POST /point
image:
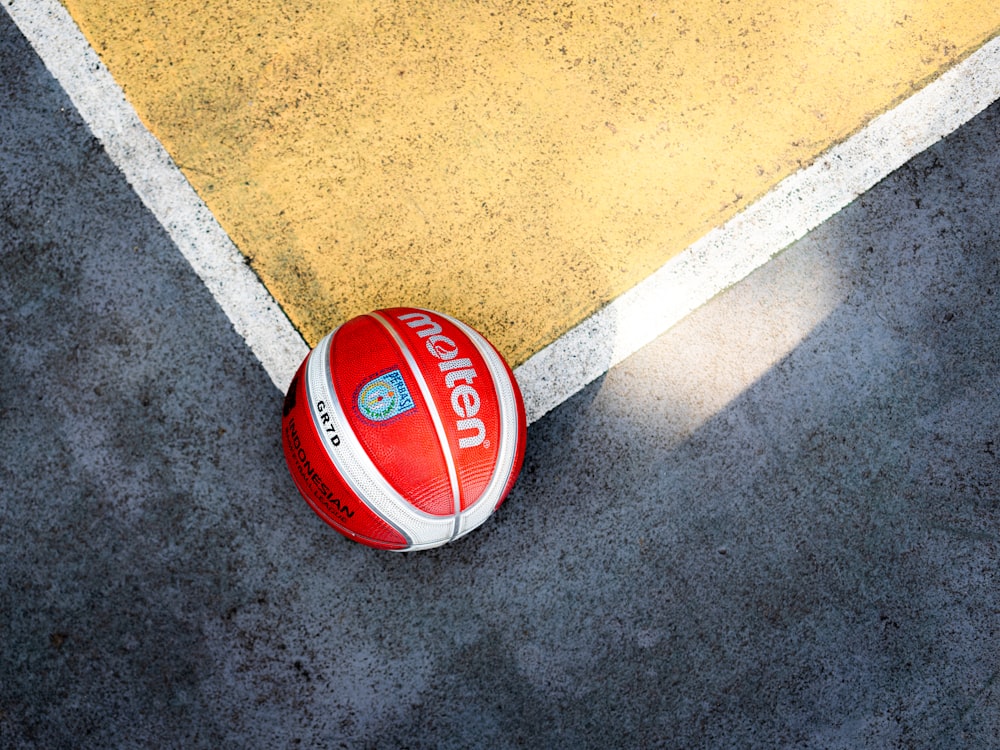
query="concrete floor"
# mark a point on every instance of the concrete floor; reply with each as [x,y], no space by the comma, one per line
[774,527]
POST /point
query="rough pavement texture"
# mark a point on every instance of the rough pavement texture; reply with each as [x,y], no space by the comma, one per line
[775,527]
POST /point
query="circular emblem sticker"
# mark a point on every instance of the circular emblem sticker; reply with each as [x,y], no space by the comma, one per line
[384,397]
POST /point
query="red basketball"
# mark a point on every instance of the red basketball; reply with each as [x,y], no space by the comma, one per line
[404,429]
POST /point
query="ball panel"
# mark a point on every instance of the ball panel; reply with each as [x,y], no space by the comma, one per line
[354,465]
[318,480]
[521,428]
[512,420]
[461,387]
[386,410]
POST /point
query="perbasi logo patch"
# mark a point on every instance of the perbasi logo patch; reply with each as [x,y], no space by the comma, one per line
[385,396]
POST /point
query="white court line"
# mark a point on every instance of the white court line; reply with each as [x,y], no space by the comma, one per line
[161,186]
[723,257]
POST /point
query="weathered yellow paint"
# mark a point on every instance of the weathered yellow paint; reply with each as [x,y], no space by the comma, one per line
[517,164]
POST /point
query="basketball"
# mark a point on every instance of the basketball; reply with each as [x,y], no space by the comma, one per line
[404,429]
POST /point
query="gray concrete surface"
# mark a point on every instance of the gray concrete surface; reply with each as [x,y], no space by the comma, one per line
[775,527]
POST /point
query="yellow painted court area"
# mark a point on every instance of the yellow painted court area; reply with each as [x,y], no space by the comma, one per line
[516,164]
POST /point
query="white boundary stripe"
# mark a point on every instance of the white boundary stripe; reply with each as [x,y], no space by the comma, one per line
[720,259]
[161,186]
[728,254]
